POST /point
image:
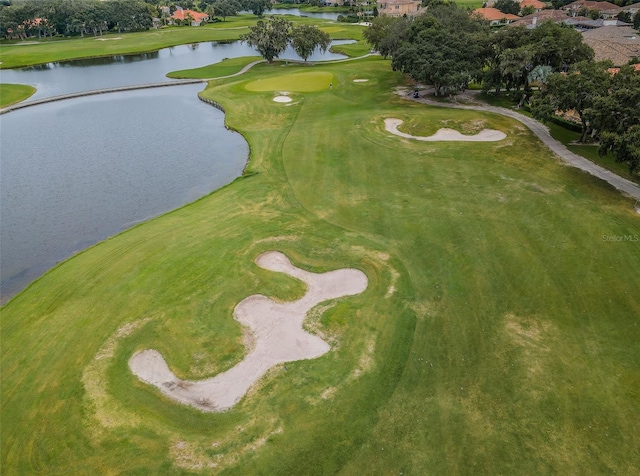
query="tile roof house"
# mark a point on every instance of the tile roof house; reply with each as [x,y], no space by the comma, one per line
[398,8]
[495,16]
[578,5]
[196,17]
[536,4]
[614,12]
[618,44]
[531,21]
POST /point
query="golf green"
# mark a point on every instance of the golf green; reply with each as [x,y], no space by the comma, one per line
[297,82]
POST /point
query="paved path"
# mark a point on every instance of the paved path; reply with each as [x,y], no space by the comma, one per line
[557,147]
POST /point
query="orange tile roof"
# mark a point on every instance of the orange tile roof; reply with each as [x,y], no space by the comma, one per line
[493,14]
[197,16]
[537,4]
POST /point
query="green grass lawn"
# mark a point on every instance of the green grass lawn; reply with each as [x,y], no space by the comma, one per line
[498,334]
[13,93]
[225,67]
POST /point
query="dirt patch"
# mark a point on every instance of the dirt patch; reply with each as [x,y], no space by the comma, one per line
[277,332]
[444,134]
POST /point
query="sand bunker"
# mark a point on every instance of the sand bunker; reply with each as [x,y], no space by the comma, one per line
[360,80]
[109,39]
[278,333]
[444,134]
[282,99]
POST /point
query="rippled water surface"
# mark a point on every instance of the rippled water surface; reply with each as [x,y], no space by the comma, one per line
[78,171]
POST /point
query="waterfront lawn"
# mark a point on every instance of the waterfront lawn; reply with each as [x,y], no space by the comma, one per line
[13,93]
[225,67]
[18,54]
[498,333]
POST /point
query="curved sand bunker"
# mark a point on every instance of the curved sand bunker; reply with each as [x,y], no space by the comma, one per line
[282,99]
[278,333]
[360,80]
[444,134]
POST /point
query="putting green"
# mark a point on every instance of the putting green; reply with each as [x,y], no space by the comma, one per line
[299,82]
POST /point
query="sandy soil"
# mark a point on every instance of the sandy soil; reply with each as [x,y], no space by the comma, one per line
[444,134]
[276,329]
[282,99]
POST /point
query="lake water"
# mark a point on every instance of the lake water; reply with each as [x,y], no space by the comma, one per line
[296,12]
[78,171]
[53,79]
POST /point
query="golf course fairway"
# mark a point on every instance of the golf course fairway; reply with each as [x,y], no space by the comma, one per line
[498,332]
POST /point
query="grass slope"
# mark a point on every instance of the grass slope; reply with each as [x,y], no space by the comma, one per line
[225,67]
[498,334]
[13,93]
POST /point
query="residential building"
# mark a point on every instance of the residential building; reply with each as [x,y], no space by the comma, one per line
[495,16]
[617,44]
[399,8]
[196,17]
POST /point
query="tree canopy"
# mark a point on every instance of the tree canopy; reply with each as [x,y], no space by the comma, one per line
[270,38]
[305,39]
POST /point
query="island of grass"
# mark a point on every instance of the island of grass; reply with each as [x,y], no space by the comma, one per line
[14,93]
[497,335]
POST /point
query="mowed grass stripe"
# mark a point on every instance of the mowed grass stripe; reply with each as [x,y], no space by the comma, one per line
[496,336]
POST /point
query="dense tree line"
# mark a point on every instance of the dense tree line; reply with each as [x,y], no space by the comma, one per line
[606,102]
[22,19]
[73,17]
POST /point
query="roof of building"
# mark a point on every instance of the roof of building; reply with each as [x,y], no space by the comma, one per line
[197,16]
[493,14]
[616,43]
[589,5]
[636,67]
[542,16]
[537,4]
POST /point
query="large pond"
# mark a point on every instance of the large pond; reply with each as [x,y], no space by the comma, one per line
[78,171]
[53,79]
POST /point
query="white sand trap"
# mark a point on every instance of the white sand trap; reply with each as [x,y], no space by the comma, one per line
[278,333]
[360,80]
[108,39]
[445,134]
[282,99]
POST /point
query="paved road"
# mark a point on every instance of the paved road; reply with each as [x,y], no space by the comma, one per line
[557,147]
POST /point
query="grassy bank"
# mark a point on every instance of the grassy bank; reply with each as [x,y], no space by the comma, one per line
[19,54]
[13,93]
[498,334]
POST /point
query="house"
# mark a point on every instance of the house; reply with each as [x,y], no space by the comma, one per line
[636,68]
[533,20]
[614,12]
[196,17]
[536,4]
[574,7]
[399,8]
[495,16]
[616,43]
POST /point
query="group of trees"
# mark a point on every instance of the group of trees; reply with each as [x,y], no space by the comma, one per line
[272,37]
[606,103]
[448,48]
[73,17]
[42,18]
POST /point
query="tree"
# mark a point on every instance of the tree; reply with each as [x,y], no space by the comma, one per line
[575,91]
[508,6]
[386,33]
[269,38]
[625,146]
[257,7]
[528,10]
[226,8]
[444,47]
[305,39]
